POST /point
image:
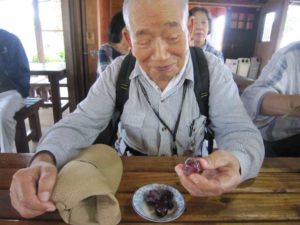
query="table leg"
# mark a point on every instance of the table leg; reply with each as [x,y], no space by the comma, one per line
[55,98]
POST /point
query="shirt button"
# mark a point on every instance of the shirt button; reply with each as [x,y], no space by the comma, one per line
[163,129]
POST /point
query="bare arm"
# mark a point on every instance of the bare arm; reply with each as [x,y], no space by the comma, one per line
[275,104]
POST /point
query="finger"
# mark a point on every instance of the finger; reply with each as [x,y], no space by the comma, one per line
[219,159]
[186,182]
[24,212]
[183,178]
[226,167]
[24,184]
[204,186]
[229,178]
[23,194]
[46,183]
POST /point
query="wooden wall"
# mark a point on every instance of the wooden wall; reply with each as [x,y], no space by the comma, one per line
[265,50]
[104,13]
[116,5]
[107,8]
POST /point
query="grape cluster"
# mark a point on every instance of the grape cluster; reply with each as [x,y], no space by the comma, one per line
[191,166]
[161,200]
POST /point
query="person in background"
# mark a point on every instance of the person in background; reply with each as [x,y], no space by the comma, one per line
[116,46]
[273,102]
[14,86]
[202,30]
[161,94]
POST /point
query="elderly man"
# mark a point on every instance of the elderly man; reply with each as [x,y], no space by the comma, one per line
[158,34]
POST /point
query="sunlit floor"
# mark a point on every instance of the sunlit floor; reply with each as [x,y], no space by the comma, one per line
[46,119]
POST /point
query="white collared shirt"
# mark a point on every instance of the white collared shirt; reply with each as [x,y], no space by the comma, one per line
[173,82]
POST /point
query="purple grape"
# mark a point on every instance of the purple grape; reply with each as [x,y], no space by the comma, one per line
[161,209]
[191,166]
[161,200]
[152,197]
[168,204]
[167,198]
[167,195]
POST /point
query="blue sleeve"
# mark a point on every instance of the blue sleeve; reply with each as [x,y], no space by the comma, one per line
[15,63]
[22,71]
[103,59]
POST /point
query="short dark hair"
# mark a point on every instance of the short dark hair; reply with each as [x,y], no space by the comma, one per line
[115,28]
[205,11]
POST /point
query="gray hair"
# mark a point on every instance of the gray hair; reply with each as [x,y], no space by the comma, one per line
[184,6]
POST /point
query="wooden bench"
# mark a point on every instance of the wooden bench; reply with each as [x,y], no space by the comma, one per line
[31,112]
[40,87]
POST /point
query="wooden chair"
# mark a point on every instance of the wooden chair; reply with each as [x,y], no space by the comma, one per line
[30,111]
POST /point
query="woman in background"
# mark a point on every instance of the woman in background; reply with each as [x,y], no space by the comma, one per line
[202,30]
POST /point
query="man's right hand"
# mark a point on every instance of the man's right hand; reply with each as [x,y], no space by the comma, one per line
[31,187]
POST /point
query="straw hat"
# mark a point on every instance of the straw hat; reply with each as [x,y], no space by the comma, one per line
[84,192]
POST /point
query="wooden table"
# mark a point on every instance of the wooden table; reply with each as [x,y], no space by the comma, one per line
[272,198]
[55,72]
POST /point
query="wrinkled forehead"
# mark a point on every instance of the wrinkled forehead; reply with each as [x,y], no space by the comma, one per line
[162,13]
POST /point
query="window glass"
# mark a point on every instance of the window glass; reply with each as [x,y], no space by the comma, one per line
[216,36]
[50,15]
[17,17]
[267,31]
[52,30]
[291,29]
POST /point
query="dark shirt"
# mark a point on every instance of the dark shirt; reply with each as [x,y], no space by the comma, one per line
[14,65]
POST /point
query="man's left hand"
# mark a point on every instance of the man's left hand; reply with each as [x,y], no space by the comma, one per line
[220,174]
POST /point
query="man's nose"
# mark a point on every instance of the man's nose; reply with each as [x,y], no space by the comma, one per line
[160,50]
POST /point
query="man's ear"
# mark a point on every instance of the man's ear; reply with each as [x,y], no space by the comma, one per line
[126,35]
[191,26]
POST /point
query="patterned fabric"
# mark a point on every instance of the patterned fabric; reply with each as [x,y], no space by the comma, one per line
[140,129]
[106,55]
[209,48]
[281,75]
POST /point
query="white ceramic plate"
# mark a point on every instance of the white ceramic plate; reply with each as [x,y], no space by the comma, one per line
[141,208]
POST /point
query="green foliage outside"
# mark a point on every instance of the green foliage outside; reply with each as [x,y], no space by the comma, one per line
[59,57]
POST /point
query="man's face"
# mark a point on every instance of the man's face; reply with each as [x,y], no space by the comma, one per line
[158,37]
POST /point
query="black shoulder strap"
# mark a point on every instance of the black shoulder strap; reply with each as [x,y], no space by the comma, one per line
[109,134]
[201,79]
[201,88]
[122,86]
[201,84]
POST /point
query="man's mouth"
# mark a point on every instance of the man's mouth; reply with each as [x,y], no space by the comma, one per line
[165,68]
[199,34]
